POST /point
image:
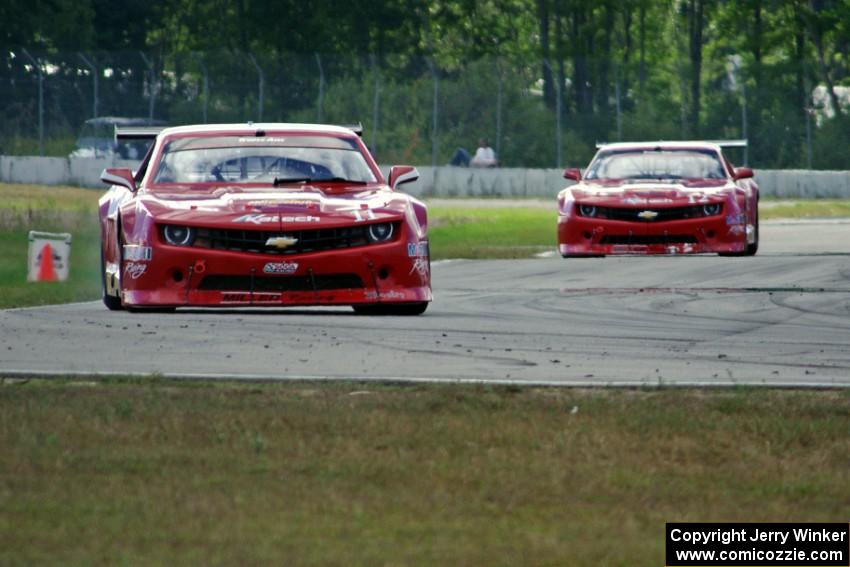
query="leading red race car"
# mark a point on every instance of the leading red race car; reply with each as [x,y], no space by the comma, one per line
[659,198]
[262,215]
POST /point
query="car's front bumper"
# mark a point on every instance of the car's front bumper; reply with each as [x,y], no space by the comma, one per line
[578,236]
[395,272]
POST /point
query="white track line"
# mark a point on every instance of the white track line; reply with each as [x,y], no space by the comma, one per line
[613,384]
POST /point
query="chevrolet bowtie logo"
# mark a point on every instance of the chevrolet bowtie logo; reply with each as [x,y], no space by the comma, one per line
[281,241]
[647,215]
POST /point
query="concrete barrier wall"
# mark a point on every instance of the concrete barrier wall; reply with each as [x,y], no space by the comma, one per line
[544,183]
[443,181]
[57,171]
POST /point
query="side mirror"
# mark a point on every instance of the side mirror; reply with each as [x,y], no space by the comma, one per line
[742,173]
[119,176]
[572,173]
[401,174]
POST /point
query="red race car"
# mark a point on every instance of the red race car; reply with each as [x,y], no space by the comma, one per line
[659,198]
[272,215]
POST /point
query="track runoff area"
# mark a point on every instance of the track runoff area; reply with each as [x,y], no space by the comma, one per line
[781,319]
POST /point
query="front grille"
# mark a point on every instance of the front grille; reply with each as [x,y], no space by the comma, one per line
[317,282]
[313,240]
[648,239]
[663,213]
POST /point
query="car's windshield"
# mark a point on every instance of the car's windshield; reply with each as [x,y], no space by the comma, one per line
[656,164]
[261,159]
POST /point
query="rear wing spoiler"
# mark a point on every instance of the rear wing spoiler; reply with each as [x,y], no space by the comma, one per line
[138,132]
[356,128]
[151,132]
[721,143]
[729,143]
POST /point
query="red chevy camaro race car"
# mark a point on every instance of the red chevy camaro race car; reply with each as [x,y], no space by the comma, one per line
[659,198]
[262,215]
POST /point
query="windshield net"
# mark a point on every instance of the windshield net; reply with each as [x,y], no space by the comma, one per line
[240,159]
[656,164]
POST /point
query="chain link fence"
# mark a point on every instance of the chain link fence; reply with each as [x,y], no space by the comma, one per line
[413,109]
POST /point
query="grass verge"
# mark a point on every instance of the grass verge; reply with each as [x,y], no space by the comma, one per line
[512,231]
[147,472]
[50,209]
[490,232]
[770,209]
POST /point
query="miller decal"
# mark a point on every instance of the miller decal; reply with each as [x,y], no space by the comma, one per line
[286,268]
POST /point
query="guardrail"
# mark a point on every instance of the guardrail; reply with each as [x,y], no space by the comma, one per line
[443,181]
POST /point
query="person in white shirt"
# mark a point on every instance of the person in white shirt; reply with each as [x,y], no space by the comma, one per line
[484,155]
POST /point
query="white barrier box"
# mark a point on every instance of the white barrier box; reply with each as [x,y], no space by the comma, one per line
[49,256]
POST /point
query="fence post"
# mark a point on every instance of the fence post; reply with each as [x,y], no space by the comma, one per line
[809,111]
[206,92]
[618,106]
[499,109]
[557,114]
[93,69]
[153,86]
[37,66]
[744,125]
[320,103]
[434,115]
[375,104]
[262,85]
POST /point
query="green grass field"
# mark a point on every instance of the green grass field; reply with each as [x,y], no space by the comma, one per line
[156,472]
[150,472]
[518,230]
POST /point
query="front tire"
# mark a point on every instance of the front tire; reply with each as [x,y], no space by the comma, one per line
[402,309]
[112,302]
[749,249]
[754,247]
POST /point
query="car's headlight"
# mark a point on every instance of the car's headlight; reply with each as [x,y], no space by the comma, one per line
[380,232]
[179,235]
[711,209]
[587,210]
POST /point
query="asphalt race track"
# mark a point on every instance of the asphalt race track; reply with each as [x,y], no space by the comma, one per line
[780,318]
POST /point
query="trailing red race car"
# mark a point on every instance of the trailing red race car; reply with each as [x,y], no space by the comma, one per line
[659,198]
[262,215]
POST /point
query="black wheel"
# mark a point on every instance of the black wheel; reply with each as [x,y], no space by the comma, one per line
[112,302]
[754,247]
[750,249]
[391,309]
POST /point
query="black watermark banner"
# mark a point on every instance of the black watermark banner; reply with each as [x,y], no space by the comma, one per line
[758,545]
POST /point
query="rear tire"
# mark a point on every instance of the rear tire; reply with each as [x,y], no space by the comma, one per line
[402,309]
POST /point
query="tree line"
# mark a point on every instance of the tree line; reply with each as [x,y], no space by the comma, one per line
[771,70]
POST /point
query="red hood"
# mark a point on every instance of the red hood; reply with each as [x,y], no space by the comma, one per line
[617,192]
[306,206]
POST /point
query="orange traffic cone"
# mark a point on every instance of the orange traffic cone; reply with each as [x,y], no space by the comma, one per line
[46,273]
